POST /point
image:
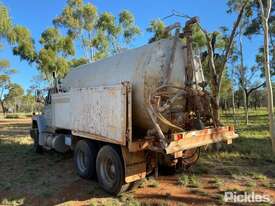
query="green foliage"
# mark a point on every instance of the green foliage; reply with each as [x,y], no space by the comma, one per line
[152,183]
[52,57]
[16,101]
[189,181]
[157,27]
[148,182]
[235,5]
[51,39]
[15,90]
[194,181]
[14,96]
[4,63]
[226,86]
[5,73]
[98,34]
[5,70]
[4,83]
[100,44]
[77,17]
[219,42]
[127,23]
[23,43]
[199,40]
[78,62]
[49,63]
[218,183]
[252,26]
[5,21]
[106,22]
[183,180]
[82,23]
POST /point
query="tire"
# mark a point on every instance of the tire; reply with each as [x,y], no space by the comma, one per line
[110,170]
[35,135]
[84,159]
[190,157]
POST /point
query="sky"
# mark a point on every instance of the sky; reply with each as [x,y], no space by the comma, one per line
[38,15]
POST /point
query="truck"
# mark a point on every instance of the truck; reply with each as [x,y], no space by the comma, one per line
[126,115]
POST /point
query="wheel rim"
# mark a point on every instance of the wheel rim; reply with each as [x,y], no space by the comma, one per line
[82,161]
[108,171]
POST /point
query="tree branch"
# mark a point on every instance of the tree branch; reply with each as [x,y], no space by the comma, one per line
[177,14]
[268,8]
[255,88]
[262,8]
[233,34]
[210,50]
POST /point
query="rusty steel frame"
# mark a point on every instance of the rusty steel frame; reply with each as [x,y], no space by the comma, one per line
[198,138]
[190,140]
[189,90]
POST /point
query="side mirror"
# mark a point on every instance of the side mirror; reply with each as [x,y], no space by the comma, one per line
[38,97]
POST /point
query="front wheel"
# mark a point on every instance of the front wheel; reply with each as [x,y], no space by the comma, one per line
[110,170]
[35,136]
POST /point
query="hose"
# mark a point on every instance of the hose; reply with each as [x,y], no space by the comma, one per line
[158,113]
[192,162]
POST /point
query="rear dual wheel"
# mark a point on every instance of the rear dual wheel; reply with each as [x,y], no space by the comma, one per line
[110,170]
[106,164]
[85,158]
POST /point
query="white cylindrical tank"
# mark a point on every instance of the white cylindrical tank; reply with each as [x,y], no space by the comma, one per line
[145,68]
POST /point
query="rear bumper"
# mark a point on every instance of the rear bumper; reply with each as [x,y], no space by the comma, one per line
[198,138]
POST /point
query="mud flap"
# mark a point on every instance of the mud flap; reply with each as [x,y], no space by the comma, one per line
[134,165]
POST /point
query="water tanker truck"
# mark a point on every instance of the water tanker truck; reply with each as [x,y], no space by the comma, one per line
[126,115]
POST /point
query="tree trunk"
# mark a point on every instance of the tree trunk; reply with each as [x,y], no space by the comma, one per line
[265,16]
[269,84]
[216,78]
[233,99]
[242,76]
[246,108]
[215,93]
[233,106]
[3,107]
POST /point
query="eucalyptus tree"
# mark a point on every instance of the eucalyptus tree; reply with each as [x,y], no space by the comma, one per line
[262,20]
[249,81]
[254,27]
[5,21]
[265,9]
[53,56]
[217,67]
[5,70]
[14,96]
[5,73]
[98,34]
